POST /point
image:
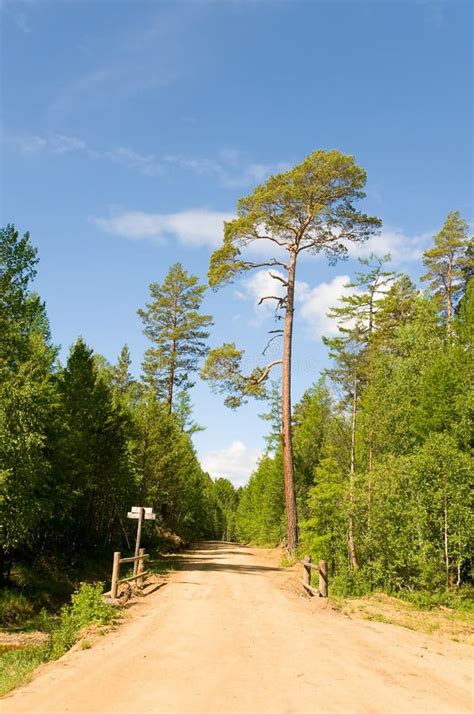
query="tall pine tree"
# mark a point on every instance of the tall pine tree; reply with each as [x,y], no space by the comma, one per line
[178,332]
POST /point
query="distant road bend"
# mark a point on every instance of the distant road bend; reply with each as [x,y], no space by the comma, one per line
[226,636]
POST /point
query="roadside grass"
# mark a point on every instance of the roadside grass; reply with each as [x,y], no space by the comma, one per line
[38,605]
[456,624]
[17,665]
[87,609]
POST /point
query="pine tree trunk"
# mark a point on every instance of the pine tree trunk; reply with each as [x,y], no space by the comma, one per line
[169,397]
[287,438]
[449,301]
[352,548]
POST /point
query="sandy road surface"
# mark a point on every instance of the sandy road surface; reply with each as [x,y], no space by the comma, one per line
[225,635]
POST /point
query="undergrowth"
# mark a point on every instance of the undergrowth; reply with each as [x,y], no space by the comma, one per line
[87,608]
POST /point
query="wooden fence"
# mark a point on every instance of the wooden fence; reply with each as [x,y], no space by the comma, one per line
[139,573]
[322,569]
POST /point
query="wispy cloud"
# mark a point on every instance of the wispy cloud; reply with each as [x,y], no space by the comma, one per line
[123,63]
[194,228]
[235,462]
[18,11]
[403,248]
[433,10]
[32,145]
[230,167]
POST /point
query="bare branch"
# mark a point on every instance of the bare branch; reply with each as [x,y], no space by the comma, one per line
[266,264]
[266,371]
[280,300]
[275,276]
[275,337]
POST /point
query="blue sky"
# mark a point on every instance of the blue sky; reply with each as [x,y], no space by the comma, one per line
[130,129]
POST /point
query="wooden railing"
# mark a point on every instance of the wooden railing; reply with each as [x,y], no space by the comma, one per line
[322,569]
[139,573]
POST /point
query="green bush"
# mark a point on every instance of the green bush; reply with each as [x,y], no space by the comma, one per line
[461,599]
[87,608]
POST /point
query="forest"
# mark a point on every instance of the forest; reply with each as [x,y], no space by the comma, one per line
[371,469]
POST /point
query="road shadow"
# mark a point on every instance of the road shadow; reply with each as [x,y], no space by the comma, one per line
[189,564]
[211,556]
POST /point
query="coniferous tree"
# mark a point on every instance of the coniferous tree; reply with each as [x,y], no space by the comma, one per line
[307,209]
[26,396]
[448,262]
[178,332]
[183,411]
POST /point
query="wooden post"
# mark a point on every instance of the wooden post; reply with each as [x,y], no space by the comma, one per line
[141,567]
[137,544]
[323,578]
[307,570]
[115,576]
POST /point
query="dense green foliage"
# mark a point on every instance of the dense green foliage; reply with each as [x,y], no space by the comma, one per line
[383,443]
[81,443]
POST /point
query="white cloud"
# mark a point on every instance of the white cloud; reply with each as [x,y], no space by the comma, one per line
[314,304]
[261,284]
[235,462]
[195,228]
[403,248]
[62,144]
[30,145]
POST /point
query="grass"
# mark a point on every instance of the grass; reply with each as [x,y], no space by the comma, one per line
[455,624]
[17,666]
[50,599]
[86,608]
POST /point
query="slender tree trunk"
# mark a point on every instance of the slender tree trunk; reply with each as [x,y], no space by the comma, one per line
[446,544]
[287,438]
[449,301]
[352,548]
[369,485]
[171,374]
[169,397]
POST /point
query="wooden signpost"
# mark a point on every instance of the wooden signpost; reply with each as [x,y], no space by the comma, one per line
[140,513]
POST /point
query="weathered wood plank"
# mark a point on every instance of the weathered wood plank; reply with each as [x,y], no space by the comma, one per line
[133,558]
[310,589]
[134,577]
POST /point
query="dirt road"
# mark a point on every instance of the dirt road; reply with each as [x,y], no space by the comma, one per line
[227,635]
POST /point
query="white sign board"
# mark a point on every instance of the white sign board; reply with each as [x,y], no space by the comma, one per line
[148,516]
[136,509]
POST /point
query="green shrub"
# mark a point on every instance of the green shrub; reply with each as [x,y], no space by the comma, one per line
[461,599]
[87,608]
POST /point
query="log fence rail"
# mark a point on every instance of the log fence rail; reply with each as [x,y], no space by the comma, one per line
[322,569]
[139,572]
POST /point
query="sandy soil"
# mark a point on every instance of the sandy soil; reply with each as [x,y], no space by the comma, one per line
[227,635]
